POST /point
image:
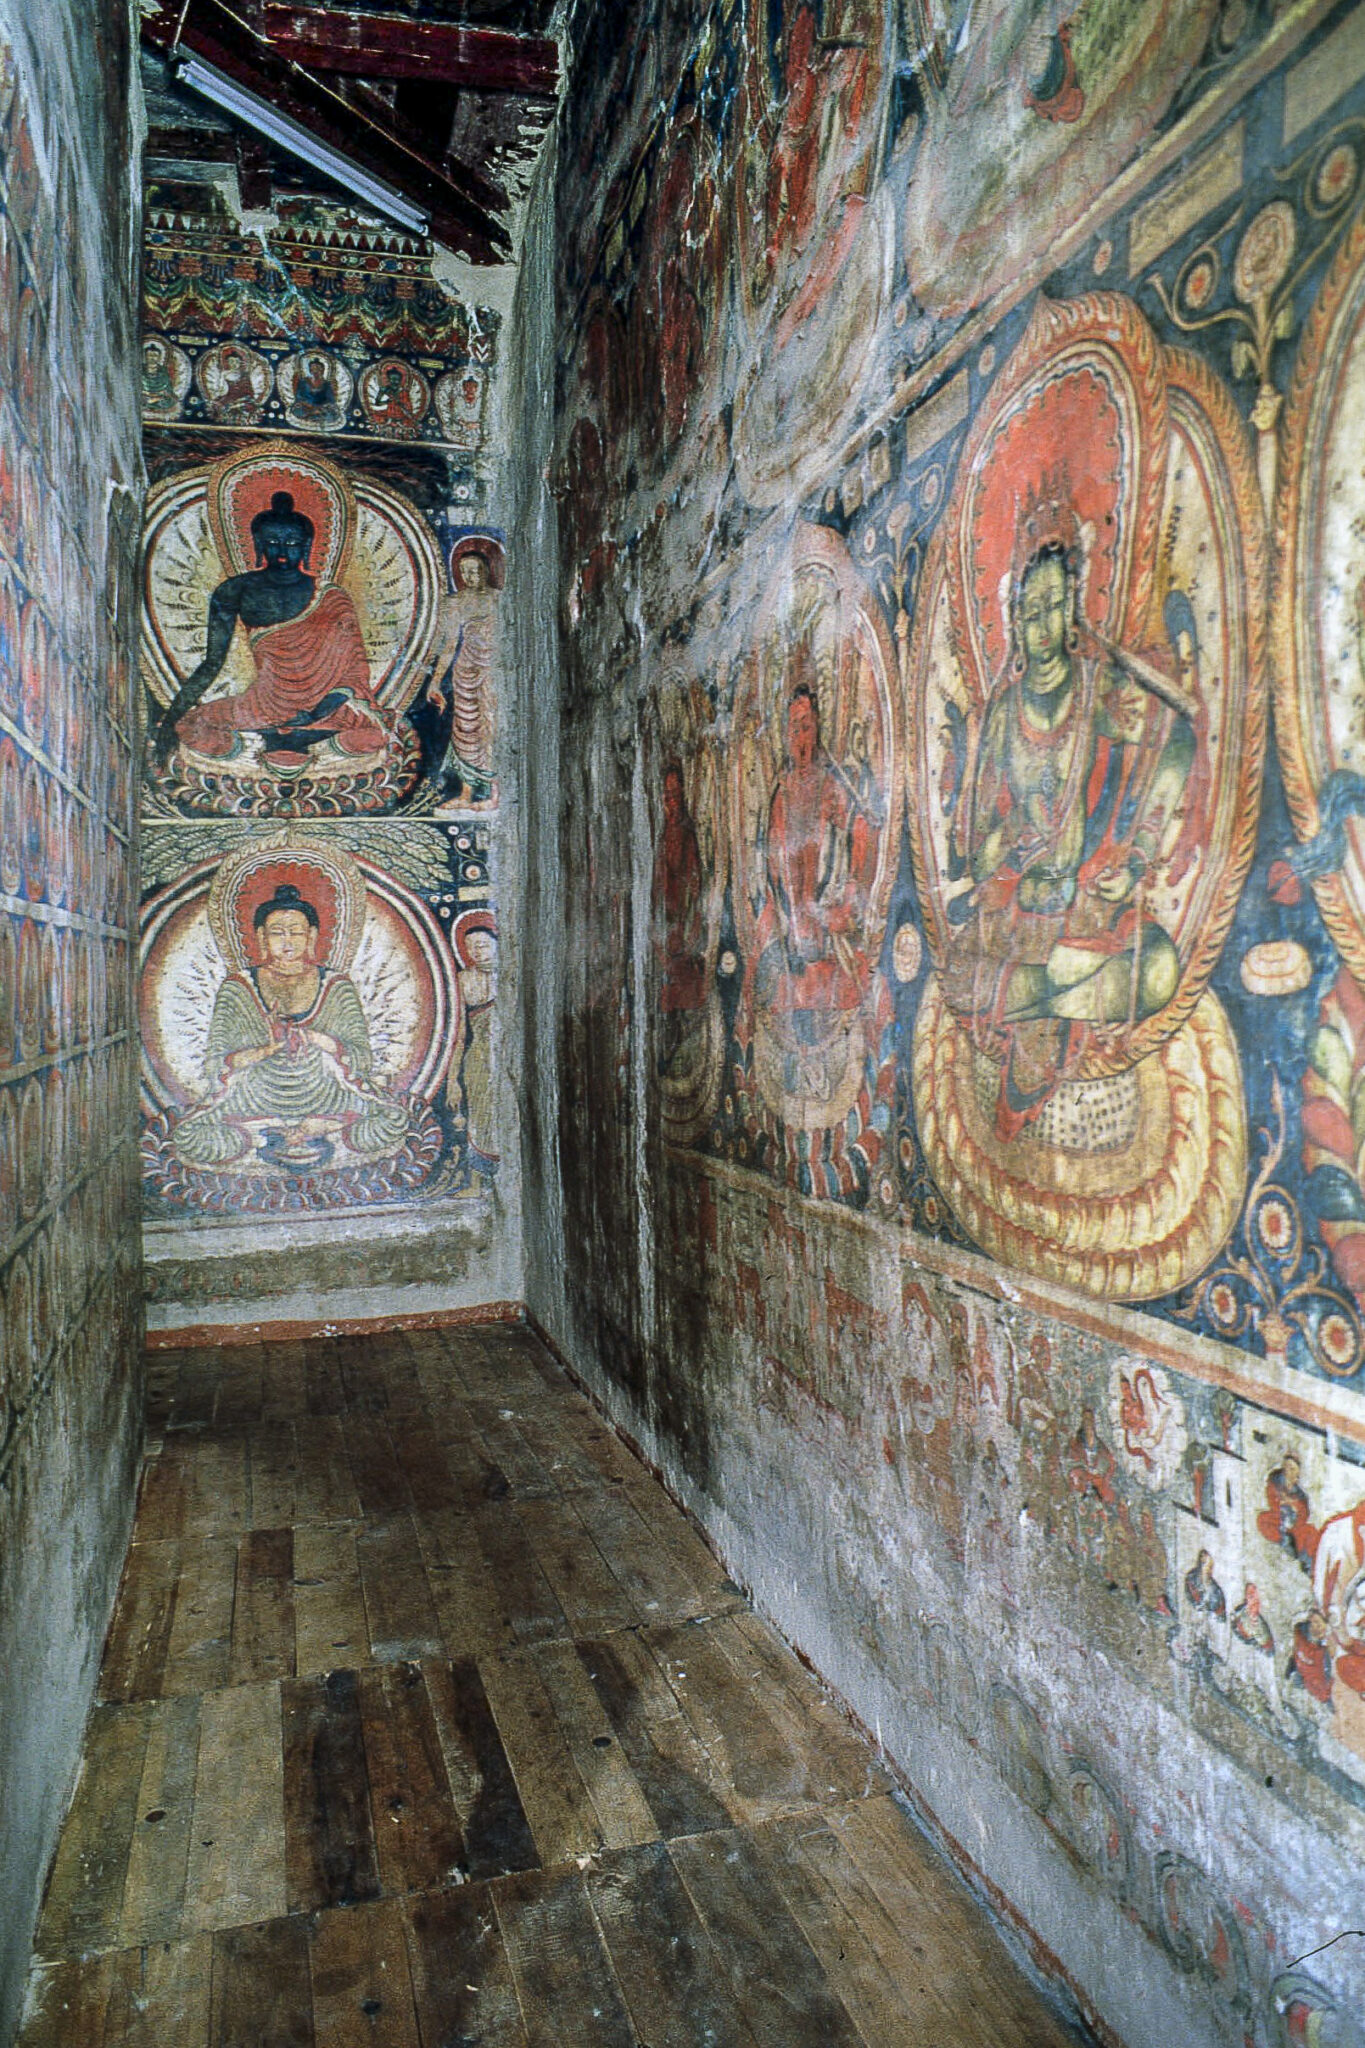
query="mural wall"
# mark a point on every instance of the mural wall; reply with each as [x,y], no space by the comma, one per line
[319,323]
[321,809]
[70,1296]
[962,532]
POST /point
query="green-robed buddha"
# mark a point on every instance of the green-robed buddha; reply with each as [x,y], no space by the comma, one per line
[289,1060]
[1087,790]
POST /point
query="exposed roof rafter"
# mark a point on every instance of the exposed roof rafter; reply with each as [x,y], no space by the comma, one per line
[462,203]
[334,39]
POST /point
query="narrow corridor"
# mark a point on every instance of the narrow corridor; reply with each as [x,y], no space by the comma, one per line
[426,1719]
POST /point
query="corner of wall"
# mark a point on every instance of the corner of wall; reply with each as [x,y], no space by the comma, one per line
[534,658]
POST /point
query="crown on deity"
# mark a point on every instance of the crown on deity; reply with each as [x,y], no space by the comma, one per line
[1046,520]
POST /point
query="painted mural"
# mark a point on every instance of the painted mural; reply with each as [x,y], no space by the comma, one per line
[463,669]
[314,603]
[982,579]
[322,326]
[67,719]
[815,830]
[70,1295]
[1014,96]
[319,659]
[316,1015]
[301,1012]
[686,908]
[1089,700]
[812,233]
[1062,641]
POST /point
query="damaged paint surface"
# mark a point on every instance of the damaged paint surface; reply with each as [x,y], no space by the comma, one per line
[70,1294]
[950,1112]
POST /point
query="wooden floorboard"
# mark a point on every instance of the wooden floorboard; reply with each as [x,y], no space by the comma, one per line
[361,1982]
[566,1986]
[158,1857]
[261,1988]
[329,1837]
[425,1718]
[461,1975]
[675,1984]
[773,1971]
[198,1655]
[562,1818]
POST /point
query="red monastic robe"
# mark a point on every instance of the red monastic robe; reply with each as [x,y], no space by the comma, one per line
[298,663]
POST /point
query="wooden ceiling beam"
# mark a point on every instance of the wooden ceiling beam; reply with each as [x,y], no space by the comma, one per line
[397,46]
[459,201]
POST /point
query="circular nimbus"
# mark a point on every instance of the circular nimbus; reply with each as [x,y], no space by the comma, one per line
[368,539]
[1087,721]
[815,805]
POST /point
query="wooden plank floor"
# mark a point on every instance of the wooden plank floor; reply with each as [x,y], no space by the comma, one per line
[426,1721]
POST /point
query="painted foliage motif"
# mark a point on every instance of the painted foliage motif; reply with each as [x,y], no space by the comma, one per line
[815,808]
[289,608]
[1319,641]
[1087,704]
[300,1014]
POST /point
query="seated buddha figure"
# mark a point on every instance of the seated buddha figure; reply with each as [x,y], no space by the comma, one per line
[312,681]
[820,845]
[288,1060]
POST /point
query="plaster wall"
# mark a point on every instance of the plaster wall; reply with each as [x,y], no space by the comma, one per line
[1002,1324]
[534,618]
[70,1294]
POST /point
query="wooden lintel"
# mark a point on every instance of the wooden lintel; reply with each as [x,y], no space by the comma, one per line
[459,201]
[397,46]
